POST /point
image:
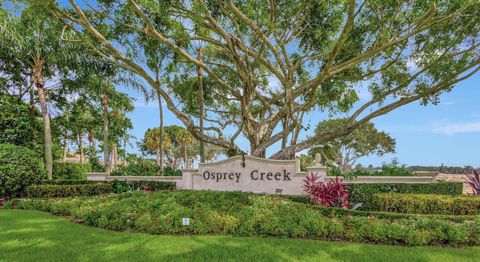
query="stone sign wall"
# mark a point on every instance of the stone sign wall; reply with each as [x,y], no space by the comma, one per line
[257,175]
[249,174]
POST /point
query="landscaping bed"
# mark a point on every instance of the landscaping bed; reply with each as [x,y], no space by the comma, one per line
[37,236]
[243,214]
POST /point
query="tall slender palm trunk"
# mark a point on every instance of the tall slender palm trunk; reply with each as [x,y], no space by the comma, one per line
[106,150]
[65,150]
[201,102]
[80,147]
[47,131]
[160,133]
[185,157]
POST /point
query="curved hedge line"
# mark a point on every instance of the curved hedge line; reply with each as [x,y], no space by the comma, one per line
[244,214]
[427,204]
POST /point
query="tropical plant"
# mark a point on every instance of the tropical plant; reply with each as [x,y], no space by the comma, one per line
[332,194]
[474,181]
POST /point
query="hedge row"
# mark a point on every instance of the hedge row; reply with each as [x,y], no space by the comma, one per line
[427,204]
[47,191]
[363,193]
[119,186]
[339,212]
[242,214]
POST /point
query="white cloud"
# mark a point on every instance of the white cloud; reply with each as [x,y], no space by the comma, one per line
[455,128]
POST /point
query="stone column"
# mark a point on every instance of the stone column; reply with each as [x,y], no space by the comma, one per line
[318,169]
[187,178]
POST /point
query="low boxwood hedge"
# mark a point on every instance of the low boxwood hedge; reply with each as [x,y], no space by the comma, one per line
[117,185]
[363,193]
[427,204]
[47,191]
[243,214]
[339,212]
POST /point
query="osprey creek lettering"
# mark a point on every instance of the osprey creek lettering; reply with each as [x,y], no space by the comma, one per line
[254,175]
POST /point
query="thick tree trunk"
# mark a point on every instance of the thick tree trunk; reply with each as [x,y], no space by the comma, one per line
[47,132]
[160,147]
[201,102]
[106,152]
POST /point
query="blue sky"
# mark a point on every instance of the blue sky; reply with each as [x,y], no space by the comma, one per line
[447,133]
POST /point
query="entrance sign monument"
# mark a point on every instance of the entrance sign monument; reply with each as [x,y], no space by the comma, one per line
[257,175]
[250,174]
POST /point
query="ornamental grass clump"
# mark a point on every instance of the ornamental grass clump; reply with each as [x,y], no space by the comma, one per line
[332,194]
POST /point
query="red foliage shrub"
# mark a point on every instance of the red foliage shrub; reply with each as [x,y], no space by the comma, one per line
[474,181]
[332,194]
[146,187]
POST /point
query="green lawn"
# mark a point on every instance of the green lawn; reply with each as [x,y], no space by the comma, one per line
[38,236]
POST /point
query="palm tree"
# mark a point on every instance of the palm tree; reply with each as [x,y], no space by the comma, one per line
[35,35]
[185,139]
[153,141]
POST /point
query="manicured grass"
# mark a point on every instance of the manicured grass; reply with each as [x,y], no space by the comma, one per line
[38,236]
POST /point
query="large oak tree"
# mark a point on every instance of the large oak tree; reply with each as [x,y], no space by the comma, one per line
[272,62]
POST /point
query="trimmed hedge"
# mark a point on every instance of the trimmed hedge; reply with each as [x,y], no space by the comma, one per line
[19,168]
[243,214]
[363,193]
[124,186]
[339,212]
[427,204]
[75,171]
[48,191]
[118,186]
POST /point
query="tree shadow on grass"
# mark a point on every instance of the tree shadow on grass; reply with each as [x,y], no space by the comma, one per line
[37,236]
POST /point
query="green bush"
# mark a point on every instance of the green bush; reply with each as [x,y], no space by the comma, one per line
[137,167]
[244,214]
[168,171]
[339,212]
[68,182]
[363,193]
[47,191]
[118,186]
[19,125]
[427,204]
[124,186]
[19,168]
[75,171]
